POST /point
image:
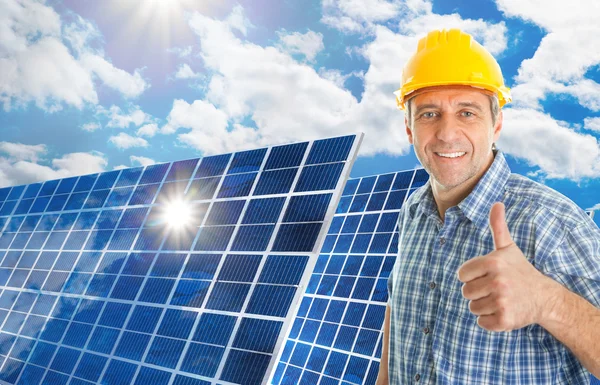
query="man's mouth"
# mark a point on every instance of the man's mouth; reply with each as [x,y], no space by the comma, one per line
[450,154]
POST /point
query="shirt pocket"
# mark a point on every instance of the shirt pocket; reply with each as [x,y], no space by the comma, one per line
[452,302]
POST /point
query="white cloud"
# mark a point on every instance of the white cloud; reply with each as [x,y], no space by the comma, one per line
[552,14]
[358,15]
[337,77]
[124,141]
[237,20]
[564,54]
[63,79]
[129,85]
[80,163]
[120,167]
[592,124]
[90,127]
[491,36]
[541,140]
[141,161]
[119,119]
[148,130]
[19,151]
[21,20]
[181,52]
[185,72]
[26,169]
[209,128]
[287,100]
[80,34]
[308,44]
[37,66]
[595,207]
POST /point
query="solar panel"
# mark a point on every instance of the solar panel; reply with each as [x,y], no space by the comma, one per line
[96,286]
[337,333]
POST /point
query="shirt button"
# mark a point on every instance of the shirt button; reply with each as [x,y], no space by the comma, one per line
[417,377]
[442,241]
[426,330]
[432,285]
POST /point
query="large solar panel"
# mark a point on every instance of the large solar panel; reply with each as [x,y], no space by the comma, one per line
[336,336]
[96,286]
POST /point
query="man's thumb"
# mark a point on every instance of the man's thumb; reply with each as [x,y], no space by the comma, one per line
[499,227]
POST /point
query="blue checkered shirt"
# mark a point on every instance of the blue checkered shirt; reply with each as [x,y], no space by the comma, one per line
[434,338]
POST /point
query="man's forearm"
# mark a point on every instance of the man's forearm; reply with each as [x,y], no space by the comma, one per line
[575,323]
[382,378]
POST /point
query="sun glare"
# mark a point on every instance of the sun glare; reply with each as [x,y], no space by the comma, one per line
[177,214]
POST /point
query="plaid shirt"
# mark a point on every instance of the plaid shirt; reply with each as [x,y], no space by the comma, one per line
[435,339]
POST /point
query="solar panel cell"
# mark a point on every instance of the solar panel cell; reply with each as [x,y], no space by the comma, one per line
[56,204]
[96,199]
[190,293]
[253,238]
[144,318]
[212,165]
[275,182]
[90,367]
[103,340]
[182,170]
[154,173]
[85,182]
[4,193]
[119,373]
[237,185]
[40,204]
[202,359]
[32,190]
[286,156]
[202,189]
[75,201]
[152,376]
[132,345]
[243,367]
[105,180]
[247,161]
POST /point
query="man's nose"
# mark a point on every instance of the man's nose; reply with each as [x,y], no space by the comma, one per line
[447,129]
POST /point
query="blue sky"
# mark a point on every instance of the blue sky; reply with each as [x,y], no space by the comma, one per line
[88,86]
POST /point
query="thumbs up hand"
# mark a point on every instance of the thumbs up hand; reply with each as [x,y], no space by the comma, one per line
[505,290]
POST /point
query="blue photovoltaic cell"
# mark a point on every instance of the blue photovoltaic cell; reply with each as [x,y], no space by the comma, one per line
[182,170]
[98,286]
[286,156]
[336,335]
[247,161]
[129,177]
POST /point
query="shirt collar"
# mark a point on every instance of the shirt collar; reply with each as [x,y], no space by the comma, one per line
[476,206]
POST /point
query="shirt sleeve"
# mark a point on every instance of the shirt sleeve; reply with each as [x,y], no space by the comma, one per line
[390,282]
[575,263]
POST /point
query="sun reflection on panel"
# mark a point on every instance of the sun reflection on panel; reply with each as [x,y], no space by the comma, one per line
[177,214]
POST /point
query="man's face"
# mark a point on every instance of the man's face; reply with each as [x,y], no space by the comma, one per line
[452,134]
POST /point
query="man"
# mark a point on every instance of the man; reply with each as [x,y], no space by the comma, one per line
[497,279]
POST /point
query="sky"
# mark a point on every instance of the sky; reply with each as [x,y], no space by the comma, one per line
[89,86]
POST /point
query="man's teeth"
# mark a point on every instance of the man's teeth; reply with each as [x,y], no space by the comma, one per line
[451,154]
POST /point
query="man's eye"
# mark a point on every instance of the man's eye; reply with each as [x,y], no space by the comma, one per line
[467,113]
[428,114]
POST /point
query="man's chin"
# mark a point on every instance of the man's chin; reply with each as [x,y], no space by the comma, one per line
[447,182]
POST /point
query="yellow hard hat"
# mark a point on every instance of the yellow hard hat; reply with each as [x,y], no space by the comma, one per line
[451,57]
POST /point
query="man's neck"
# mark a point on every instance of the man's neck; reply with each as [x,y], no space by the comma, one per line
[445,199]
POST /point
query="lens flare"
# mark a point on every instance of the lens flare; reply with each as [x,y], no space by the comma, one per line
[177,214]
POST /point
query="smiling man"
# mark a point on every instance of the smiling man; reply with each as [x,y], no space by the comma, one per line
[497,279]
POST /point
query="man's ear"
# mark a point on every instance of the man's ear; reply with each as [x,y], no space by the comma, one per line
[408,131]
[498,127]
